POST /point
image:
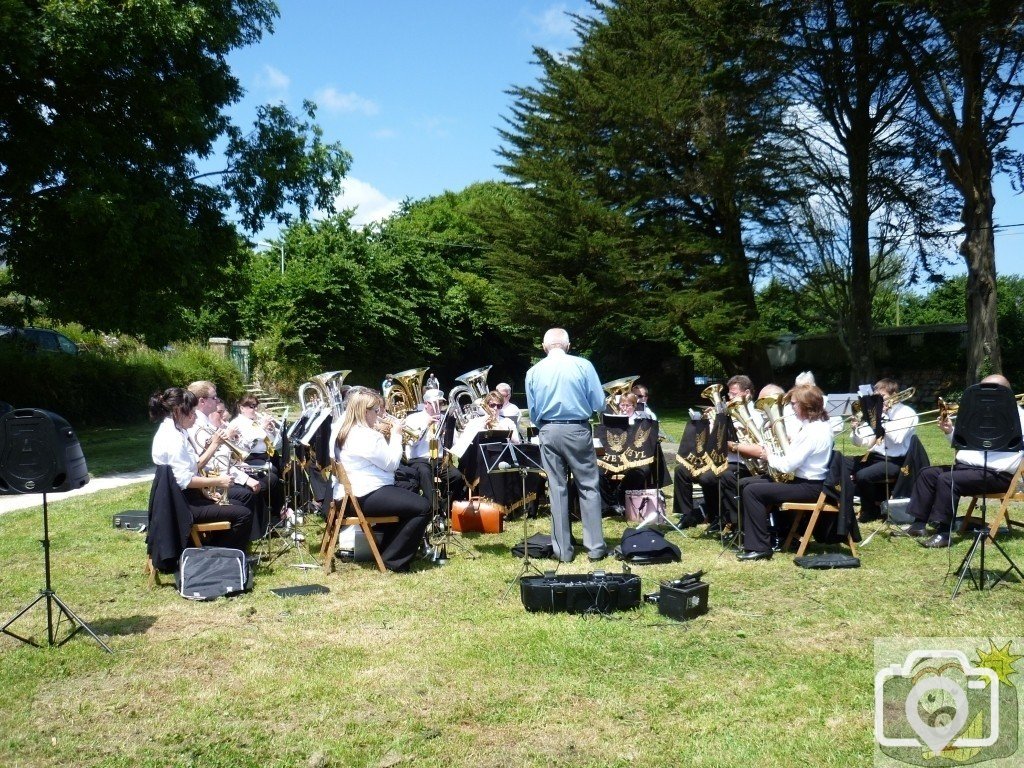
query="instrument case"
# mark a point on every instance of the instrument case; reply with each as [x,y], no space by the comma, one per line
[683,598]
[595,592]
[131,520]
[478,516]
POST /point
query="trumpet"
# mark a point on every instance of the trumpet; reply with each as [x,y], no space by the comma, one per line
[386,423]
[237,451]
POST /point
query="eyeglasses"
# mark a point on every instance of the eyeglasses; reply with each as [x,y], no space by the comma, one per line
[493,405]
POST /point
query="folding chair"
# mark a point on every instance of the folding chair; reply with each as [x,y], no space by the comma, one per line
[337,519]
[837,478]
[196,533]
[1011,494]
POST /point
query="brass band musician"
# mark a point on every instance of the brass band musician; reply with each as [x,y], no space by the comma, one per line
[260,434]
[491,419]
[426,456]
[807,459]
[885,453]
[719,490]
[936,490]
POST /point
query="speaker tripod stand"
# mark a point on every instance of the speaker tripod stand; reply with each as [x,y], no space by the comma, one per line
[56,609]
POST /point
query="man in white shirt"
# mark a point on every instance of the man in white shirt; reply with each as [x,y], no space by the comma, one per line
[973,472]
[885,454]
[509,410]
[425,457]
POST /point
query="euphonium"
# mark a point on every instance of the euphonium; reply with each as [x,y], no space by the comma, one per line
[747,431]
[463,398]
[615,390]
[774,431]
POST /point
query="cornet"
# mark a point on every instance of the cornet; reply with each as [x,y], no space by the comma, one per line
[237,451]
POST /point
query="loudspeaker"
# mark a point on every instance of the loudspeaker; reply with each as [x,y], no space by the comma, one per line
[39,453]
[987,420]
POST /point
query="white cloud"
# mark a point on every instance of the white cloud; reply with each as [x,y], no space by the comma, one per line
[370,203]
[553,22]
[333,100]
[273,80]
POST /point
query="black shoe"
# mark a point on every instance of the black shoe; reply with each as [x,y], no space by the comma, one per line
[690,521]
[917,530]
[937,541]
[715,529]
[753,554]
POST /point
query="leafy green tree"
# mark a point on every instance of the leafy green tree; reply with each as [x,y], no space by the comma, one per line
[869,203]
[965,62]
[645,153]
[105,111]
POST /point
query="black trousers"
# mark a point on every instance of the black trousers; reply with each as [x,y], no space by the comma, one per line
[402,539]
[872,477]
[420,475]
[720,492]
[760,496]
[206,511]
[271,487]
[938,489]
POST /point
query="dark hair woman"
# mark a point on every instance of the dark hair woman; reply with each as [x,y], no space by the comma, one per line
[174,409]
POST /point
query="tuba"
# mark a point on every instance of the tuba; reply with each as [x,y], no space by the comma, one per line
[406,392]
[615,390]
[774,432]
[464,397]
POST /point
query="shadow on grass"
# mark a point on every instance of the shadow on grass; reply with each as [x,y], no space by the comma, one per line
[128,625]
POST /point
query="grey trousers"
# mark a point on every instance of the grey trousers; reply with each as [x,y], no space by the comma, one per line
[568,448]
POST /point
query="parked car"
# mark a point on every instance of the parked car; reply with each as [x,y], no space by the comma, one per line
[39,339]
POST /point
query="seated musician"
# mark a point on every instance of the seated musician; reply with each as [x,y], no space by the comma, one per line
[936,490]
[885,455]
[260,434]
[244,490]
[491,419]
[509,410]
[642,407]
[175,409]
[370,460]
[807,459]
[427,456]
[719,490]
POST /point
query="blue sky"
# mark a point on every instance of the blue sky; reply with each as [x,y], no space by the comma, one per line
[416,92]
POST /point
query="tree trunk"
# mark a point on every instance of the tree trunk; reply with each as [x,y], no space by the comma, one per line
[858,330]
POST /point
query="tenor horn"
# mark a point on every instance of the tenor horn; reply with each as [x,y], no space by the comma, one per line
[406,392]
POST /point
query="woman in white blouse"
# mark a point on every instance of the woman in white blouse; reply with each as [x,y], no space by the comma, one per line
[370,461]
[807,458]
[174,409]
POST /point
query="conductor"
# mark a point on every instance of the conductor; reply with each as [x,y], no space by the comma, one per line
[562,393]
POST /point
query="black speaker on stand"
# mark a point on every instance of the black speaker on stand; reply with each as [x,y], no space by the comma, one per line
[988,420]
[40,453]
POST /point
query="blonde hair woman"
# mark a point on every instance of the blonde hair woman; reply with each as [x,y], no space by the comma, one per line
[370,461]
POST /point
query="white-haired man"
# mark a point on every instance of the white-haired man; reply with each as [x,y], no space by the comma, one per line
[562,393]
[509,409]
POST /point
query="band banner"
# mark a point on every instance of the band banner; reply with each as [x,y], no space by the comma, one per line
[635,451]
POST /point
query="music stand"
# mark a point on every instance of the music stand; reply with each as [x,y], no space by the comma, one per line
[511,459]
[987,420]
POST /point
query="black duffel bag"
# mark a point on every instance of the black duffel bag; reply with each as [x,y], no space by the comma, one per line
[211,572]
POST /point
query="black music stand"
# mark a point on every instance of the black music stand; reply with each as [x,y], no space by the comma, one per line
[987,420]
[511,459]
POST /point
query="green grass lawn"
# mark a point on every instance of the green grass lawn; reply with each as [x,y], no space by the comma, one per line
[113,450]
[439,667]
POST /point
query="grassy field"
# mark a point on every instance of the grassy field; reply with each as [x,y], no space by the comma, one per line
[112,450]
[440,667]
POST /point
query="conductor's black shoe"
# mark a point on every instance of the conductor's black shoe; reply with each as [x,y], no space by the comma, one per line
[937,541]
[917,530]
[753,554]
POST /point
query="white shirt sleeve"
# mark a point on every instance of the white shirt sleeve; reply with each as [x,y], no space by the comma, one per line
[171,448]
